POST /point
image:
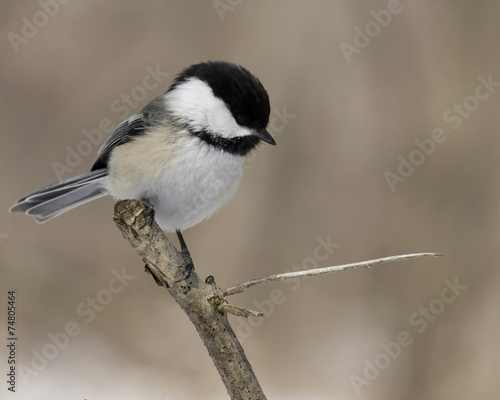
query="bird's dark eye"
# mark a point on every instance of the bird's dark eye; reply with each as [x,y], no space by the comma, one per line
[242,120]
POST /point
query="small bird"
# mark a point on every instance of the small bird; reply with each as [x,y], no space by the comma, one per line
[183,153]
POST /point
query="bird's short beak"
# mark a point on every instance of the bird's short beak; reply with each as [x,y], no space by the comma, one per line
[265,136]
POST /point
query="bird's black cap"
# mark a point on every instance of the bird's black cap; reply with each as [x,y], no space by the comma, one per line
[242,92]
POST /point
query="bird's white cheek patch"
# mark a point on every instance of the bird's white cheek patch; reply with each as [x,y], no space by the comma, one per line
[193,102]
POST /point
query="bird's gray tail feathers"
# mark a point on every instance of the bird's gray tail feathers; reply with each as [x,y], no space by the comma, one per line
[53,200]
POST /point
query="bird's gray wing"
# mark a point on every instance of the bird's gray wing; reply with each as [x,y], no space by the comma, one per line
[152,114]
[125,132]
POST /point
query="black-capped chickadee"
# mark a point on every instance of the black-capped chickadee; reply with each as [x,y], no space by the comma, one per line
[183,153]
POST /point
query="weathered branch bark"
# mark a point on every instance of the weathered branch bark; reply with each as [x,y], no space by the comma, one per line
[202,302]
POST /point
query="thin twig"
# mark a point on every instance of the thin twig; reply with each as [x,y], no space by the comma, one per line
[240,312]
[320,271]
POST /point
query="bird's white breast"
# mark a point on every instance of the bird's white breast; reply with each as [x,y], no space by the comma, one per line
[185,179]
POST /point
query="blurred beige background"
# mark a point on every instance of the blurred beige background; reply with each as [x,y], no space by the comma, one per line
[326,180]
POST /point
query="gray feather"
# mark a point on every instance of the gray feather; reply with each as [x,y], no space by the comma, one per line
[53,200]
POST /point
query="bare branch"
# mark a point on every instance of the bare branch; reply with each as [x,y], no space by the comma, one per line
[202,302]
[320,271]
[205,303]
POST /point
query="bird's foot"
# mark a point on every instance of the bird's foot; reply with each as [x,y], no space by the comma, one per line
[149,214]
[187,269]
